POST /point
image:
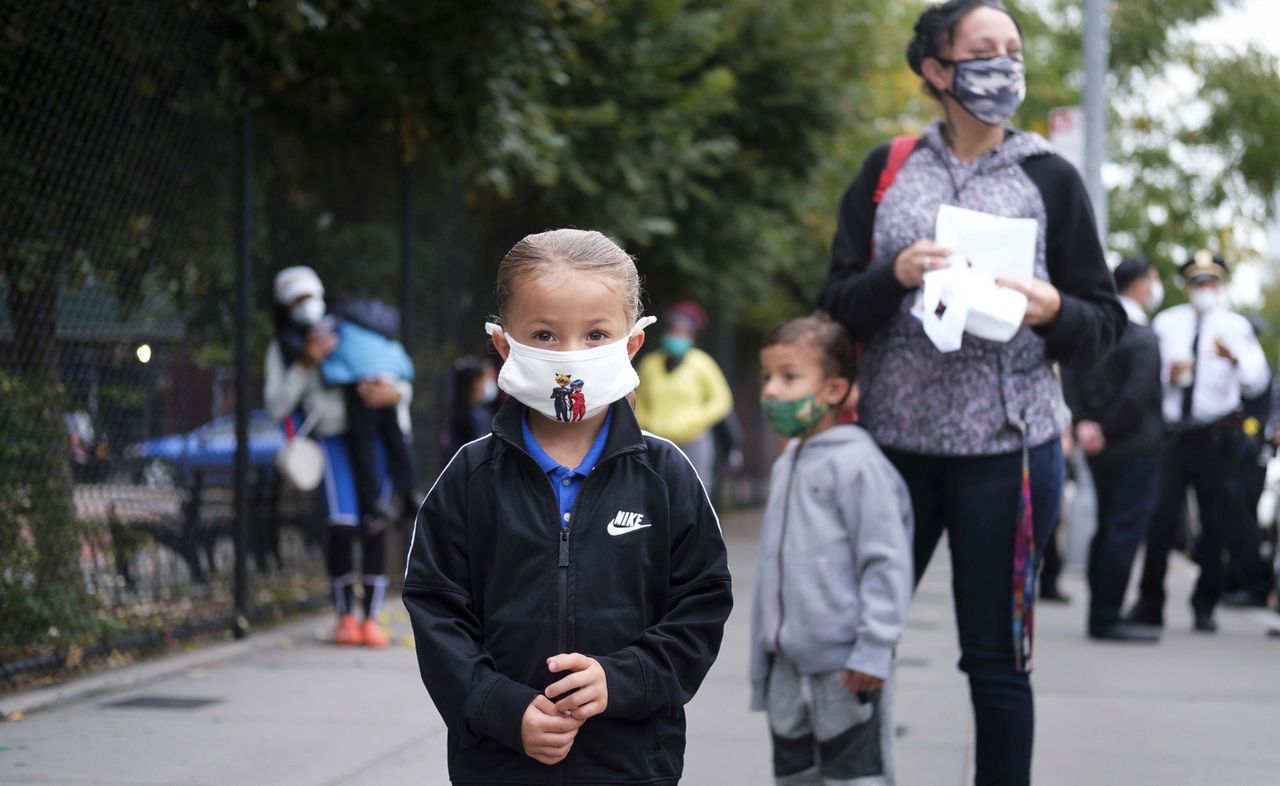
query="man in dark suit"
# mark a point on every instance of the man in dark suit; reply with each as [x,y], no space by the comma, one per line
[1118,425]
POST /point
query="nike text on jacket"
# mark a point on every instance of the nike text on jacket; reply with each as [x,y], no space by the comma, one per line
[494,586]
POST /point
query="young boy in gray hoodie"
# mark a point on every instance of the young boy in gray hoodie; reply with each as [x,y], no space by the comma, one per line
[834,574]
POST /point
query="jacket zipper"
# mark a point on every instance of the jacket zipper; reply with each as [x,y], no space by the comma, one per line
[562,561]
[562,576]
[782,540]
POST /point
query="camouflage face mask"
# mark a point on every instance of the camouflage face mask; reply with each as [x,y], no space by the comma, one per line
[990,89]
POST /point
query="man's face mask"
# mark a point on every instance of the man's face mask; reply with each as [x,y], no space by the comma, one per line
[1205,299]
[991,89]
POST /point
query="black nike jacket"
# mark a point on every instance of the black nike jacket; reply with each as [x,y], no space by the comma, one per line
[639,581]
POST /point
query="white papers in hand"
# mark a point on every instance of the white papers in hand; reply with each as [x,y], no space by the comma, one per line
[986,247]
[995,245]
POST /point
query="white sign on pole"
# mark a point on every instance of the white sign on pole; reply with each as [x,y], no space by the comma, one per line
[1066,134]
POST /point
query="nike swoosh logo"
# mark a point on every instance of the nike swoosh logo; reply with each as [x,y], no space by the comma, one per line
[614,529]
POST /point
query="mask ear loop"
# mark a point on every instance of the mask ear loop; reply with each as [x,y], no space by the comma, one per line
[492,327]
[641,324]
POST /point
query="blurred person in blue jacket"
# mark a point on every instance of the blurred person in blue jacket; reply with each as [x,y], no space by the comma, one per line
[295,390]
[367,349]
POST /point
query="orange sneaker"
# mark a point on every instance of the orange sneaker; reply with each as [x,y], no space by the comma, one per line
[374,635]
[348,631]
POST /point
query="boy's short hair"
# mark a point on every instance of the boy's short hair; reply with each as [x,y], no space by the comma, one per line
[1130,270]
[829,337]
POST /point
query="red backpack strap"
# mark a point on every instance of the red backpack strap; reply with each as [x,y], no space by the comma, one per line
[899,151]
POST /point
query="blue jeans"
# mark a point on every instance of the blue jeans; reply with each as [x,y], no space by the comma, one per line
[975,501]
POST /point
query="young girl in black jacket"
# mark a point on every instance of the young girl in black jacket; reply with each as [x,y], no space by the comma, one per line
[567,581]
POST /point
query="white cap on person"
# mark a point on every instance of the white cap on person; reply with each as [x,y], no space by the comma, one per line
[295,282]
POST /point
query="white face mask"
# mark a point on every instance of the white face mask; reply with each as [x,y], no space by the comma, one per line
[1156,297]
[308,312]
[1203,300]
[490,391]
[568,386]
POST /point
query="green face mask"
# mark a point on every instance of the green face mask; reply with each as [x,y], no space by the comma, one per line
[792,418]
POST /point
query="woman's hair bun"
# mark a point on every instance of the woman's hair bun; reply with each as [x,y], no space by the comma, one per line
[937,23]
[915,54]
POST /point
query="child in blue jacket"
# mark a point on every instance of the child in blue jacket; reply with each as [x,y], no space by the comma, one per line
[366,349]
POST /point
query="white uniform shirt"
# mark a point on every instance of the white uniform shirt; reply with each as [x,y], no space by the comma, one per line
[1218,384]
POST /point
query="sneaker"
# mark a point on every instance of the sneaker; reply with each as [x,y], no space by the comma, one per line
[348,631]
[374,635]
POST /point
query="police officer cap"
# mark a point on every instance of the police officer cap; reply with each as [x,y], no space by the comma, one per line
[1203,265]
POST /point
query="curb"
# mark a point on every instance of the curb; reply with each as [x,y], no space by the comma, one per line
[16,706]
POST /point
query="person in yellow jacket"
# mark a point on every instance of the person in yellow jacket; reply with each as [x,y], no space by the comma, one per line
[683,393]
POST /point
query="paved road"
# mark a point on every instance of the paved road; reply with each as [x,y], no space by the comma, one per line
[289,708]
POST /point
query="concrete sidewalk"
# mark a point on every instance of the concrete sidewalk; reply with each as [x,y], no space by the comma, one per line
[290,708]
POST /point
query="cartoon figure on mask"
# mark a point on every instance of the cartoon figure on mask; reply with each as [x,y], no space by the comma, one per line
[578,400]
[560,397]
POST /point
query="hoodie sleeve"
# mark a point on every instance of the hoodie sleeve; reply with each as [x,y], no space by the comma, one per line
[858,294]
[1091,319]
[283,386]
[876,509]
[475,700]
[661,670]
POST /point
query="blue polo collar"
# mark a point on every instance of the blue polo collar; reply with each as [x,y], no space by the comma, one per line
[550,465]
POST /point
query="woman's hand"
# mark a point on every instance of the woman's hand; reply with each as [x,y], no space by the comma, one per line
[917,259]
[319,344]
[1044,301]
[378,393]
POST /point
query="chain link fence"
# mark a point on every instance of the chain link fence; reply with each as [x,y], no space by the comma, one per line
[121,177]
[117,395]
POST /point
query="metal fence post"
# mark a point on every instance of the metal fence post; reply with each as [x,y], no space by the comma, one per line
[244,268]
[406,254]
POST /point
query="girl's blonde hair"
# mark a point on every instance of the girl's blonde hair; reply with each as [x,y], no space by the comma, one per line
[587,251]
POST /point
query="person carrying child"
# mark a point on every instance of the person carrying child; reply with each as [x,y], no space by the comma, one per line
[365,348]
[295,392]
[567,582]
[834,574]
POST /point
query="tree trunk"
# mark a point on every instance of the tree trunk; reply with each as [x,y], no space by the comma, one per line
[39,485]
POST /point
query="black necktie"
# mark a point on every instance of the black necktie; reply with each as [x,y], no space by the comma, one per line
[1189,391]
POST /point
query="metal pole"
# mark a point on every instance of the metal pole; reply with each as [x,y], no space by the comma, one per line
[1096,56]
[406,252]
[244,291]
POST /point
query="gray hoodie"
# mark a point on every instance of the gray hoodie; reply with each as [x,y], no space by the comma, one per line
[834,575]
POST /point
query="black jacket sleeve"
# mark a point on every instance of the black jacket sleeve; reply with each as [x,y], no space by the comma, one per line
[1130,406]
[857,294]
[659,672]
[1091,320]
[1073,395]
[475,700]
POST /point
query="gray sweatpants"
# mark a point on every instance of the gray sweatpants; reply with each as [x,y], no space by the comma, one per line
[824,734]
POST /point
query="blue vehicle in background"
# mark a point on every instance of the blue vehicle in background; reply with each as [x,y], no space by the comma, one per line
[208,451]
